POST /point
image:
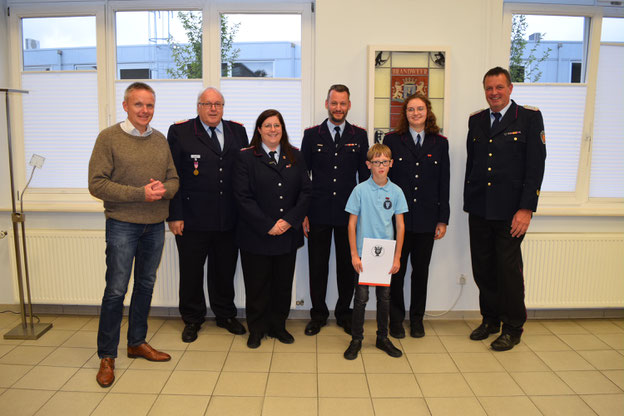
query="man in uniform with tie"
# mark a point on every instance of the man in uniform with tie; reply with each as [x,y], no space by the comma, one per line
[335,155]
[202,216]
[504,169]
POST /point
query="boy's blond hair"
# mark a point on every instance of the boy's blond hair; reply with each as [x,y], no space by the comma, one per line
[378,149]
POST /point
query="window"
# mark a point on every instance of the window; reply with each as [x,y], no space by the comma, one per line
[575,72]
[261,68]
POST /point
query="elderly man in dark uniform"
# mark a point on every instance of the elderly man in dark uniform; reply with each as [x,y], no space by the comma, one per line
[504,170]
[335,154]
[203,213]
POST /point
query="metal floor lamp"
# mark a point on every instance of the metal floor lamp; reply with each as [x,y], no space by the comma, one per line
[28,329]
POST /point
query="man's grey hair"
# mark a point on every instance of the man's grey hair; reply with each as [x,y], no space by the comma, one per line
[138,86]
[210,89]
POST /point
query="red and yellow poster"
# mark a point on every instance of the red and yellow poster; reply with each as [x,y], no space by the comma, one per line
[405,82]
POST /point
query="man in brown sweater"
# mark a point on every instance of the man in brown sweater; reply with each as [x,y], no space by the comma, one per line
[132,171]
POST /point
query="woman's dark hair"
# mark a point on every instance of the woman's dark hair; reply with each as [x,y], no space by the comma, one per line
[256,140]
[430,122]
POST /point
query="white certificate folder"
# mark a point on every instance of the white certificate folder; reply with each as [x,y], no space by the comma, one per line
[377,257]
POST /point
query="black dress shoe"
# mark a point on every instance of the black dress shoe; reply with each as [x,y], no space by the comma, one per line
[505,342]
[354,347]
[417,330]
[282,336]
[314,327]
[385,344]
[189,334]
[232,325]
[254,340]
[397,331]
[346,325]
[483,331]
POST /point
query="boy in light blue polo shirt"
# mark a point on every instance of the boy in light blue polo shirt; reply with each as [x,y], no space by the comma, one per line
[372,205]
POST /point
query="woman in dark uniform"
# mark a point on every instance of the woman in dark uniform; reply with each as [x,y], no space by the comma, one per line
[421,169]
[272,190]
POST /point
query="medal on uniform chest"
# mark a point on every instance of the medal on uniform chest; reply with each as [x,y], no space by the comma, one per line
[195,164]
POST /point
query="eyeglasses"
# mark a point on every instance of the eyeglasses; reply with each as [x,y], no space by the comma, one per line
[215,105]
[378,163]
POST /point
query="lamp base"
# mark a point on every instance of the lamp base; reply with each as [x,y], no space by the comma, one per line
[29,332]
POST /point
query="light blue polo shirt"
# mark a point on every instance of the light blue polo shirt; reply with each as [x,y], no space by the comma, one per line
[375,205]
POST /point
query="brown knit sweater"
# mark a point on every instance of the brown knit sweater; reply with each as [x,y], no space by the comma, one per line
[121,165]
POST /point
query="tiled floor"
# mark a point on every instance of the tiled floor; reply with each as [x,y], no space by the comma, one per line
[561,367]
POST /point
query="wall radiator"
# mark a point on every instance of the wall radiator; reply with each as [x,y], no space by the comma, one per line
[562,270]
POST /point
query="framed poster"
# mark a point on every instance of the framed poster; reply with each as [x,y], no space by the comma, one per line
[396,72]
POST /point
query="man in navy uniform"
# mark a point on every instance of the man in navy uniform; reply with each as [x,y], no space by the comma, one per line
[504,170]
[203,213]
[335,154]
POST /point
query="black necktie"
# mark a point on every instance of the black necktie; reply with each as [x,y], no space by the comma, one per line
[272,157]
[497,117]
[418,143]
[337,135]
[213,136]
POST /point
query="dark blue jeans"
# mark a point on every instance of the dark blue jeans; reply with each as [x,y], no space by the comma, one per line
[359,306]
[127,243]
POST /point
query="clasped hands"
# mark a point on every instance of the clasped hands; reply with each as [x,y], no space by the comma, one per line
[279,228]
[154,190]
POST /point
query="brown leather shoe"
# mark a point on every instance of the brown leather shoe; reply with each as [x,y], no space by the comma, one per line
[146,351]
[106,375]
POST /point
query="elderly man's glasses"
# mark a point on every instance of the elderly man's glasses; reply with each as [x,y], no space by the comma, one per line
[215,105]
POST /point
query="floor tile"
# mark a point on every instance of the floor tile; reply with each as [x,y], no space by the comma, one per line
[588,382]
[432,363]
[292,385]
[383,363]
[402,406]
[10,373]
[443,385]
[92,325]
[521,361]
[541,384]
[470,362]
[125,404]
[493,384]
[249,362]
[234,406]
[84,339]
[302,343]
[70,322]
[465,406]
[191,382]
[5,348]
[509,406]
[26,355]
[616,376]
[336,363]
[84,380]
[141,364]
[393,385]
[618,322]
[241,384]
[562,406]
[202,360]
[45,378]
[71,403]
[535,327]
[51,338]
[600,326]
[280,406]
[615,341]
[294,362]
[450,327]
[428,344]
[343,385]
[186,405]
[461,343]
[68,357]
[174,326]
[606,404]
[211,342]
[18,402]
[604,360]
[164,341]
[564,360]
[332,343]
[545,343]
[345,406]
[564,326]
[141,381]
[581,342]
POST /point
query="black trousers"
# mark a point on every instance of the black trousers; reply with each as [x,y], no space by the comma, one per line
[268,290]
[497,269]
[220,249]
[319,245]
[418,247]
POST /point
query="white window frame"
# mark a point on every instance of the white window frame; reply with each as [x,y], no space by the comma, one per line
[575,203]
[79,200]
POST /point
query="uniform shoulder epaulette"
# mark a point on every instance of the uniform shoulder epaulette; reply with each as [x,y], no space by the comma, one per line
[530,107]
[296,148]
[474,113]
[237,122]
[444,137]
[312,127]
[246,148]
[359,127]
[182,121]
